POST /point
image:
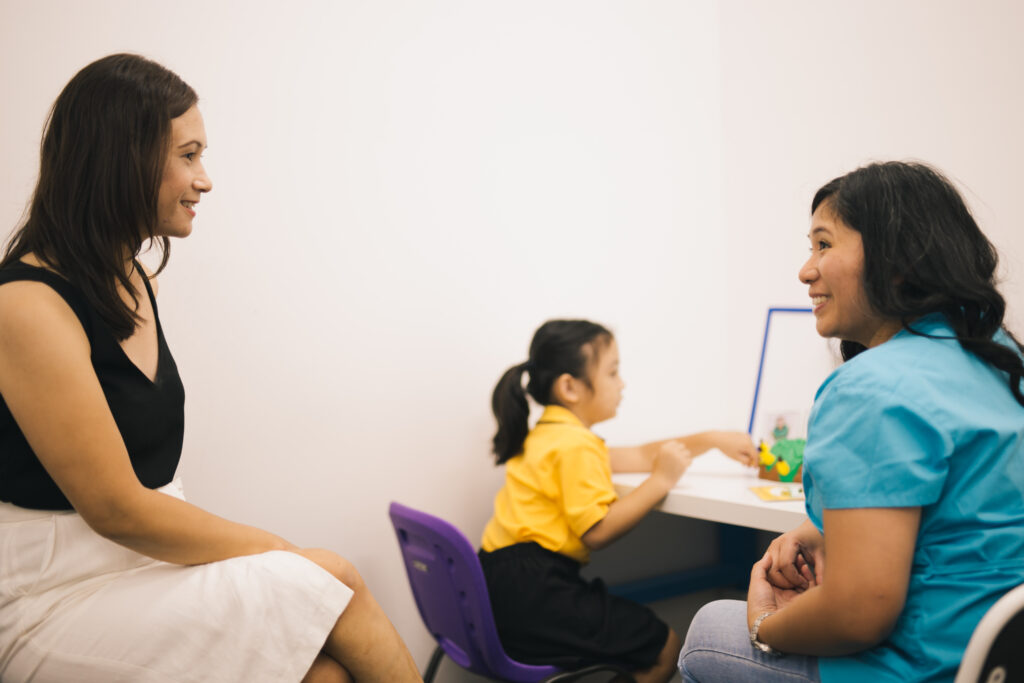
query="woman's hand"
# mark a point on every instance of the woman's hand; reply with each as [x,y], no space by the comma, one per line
[736,445]
[870,555]
[763,595]
[797,559]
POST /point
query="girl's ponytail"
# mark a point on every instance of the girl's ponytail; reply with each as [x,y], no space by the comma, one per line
[558,347]
[512,412]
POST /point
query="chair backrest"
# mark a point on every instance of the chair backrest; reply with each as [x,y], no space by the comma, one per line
[451,594]
[994,653]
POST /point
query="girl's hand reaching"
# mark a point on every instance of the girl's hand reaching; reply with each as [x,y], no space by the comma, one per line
[671,461]
[736,445]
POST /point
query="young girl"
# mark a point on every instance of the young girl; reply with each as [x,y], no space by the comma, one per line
[558,504]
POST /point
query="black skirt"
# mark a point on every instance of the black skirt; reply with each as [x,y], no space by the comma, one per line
[547,613]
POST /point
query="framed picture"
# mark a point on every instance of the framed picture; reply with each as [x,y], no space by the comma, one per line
[794,362]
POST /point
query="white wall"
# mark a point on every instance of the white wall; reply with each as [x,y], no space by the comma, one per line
[405,190]
[811,90]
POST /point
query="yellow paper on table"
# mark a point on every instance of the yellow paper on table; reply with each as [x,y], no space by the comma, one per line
[778,492]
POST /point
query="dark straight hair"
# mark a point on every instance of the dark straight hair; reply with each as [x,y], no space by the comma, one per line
[558,347]
[924,253]
[101,164]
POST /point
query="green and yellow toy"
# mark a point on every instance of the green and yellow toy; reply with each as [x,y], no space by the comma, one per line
[783,460]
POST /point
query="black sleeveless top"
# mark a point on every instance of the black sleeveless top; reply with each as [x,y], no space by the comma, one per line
[149,414]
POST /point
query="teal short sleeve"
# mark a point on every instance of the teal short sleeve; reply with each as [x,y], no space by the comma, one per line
[919,421]
[868,446]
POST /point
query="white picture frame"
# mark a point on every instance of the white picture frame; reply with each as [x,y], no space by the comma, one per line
[795,360]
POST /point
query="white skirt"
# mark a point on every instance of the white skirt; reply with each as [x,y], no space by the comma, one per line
[77,607]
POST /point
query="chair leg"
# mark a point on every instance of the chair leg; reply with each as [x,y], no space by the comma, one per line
[435,662]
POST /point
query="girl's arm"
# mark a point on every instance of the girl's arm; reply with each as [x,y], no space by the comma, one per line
[860,596]
[48,382]
[671,461]
[736,445]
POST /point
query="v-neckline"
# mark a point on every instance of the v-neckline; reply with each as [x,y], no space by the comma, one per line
[159,333]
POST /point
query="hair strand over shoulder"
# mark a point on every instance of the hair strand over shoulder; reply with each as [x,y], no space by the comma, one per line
[101,164]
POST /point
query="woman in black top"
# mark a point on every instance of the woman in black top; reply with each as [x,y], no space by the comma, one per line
[107,574]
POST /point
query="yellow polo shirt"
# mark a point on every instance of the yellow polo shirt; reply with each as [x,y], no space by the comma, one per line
[555,490]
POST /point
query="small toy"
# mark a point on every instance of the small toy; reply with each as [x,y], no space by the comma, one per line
[783,460]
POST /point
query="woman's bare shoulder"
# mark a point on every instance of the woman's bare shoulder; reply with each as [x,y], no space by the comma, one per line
[31,311]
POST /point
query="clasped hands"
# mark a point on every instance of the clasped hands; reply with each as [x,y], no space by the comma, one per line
[794,563]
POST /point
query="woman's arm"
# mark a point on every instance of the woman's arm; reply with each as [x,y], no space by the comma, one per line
[48,382]
[861,594]
[736,445]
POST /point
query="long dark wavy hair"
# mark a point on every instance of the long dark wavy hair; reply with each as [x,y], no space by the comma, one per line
[924,253]
[101,163]
[558,347]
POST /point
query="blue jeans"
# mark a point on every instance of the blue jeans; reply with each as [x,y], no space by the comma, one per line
[718,648]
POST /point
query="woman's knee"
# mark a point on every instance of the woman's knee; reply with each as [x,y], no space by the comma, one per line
[718,648]
[715,620]
[338,566]
[326,670]
[717,627]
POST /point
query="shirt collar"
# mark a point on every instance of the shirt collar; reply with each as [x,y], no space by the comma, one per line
[929,324]
[560,415]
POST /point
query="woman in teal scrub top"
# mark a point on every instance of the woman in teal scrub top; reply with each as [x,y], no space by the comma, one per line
[914,464]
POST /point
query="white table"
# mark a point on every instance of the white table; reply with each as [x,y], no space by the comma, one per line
[717,489]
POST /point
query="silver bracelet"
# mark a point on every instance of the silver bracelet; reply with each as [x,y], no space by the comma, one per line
[763,647]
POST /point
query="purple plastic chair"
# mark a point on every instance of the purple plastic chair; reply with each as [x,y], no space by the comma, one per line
[451,594]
